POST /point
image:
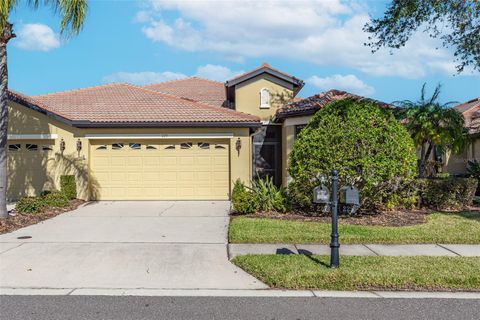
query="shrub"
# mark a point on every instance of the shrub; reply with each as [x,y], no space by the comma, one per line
[56,199]
[473,168]
[364,142]
[30,205]
[269,197]
[68,186]
[447,194]
[243,200]
[45,192]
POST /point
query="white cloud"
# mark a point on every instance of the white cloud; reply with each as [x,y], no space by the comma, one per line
[143,78]
[208,71]
[216,72]
[347,82]
[325,32]
[37,37]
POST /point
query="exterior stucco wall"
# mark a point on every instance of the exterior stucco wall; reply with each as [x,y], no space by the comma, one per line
[288,138]
[49,166]
[457,163]
[247,97]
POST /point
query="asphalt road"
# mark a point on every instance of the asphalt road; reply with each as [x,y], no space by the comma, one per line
[200,308]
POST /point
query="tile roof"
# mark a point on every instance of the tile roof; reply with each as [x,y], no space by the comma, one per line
[122,103]
[193,88]
[312,104]
[471,113]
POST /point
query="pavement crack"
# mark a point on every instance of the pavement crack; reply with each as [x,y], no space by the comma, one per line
[166,209]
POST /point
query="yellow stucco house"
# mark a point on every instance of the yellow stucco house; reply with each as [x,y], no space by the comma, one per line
[187,139]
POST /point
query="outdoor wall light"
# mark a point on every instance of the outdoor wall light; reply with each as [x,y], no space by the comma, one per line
[62,146]
[79,146]
[238,145]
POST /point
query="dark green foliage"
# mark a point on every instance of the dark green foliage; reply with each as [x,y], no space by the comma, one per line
[269,197]
[364,142]
[473,169]
[434,127]
[447,194]
[56,199]
[455,22]
[243,200]
[45,192]
[31,205]
[68,186]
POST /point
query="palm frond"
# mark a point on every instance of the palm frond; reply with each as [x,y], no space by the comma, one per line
[6,7]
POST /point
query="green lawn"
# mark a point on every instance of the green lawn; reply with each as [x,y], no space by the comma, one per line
[439,228]
[364,273]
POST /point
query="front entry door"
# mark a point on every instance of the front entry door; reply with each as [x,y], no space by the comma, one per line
[267,153]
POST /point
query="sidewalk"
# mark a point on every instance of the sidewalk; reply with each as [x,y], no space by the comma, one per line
[452,250]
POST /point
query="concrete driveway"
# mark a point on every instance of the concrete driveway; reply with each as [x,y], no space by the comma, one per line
[131,244]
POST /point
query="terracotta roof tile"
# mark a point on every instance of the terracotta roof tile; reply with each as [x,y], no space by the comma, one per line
[471,113]
[311,104]
[193,88]
[125,103]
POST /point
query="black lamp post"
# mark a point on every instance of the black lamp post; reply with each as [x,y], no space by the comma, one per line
[334,244]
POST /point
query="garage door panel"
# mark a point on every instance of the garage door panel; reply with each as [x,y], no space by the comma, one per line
[200,171]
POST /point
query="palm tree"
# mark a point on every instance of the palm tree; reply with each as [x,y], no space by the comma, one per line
[433,126]
[73,14]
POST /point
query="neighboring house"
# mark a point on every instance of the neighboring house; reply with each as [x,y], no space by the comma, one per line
[186,139]
[457,163]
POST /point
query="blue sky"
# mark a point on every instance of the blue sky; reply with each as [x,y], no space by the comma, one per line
[148,41]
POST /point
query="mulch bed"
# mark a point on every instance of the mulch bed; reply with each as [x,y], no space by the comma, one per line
[21,220]
[386,219]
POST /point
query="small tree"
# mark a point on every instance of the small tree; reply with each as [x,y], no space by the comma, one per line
[364,142]
[433,125]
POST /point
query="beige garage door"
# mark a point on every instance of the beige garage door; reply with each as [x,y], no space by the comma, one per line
[160,170]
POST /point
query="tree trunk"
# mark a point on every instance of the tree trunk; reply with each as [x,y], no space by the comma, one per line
[422,164]
[429,151]
[5,36]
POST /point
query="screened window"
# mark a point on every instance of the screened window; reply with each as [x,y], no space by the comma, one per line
[14,147]
[186,145]
[204,145]
[135,146]
[32,147]
[117,146]
[102,147]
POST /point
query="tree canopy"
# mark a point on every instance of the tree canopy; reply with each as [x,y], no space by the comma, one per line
[455,22]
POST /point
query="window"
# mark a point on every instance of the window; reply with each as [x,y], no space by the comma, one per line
[47,148]
[299,128]
[14,147]
[117,146]
[150,147]
[102,147]
[170,147]
[32,147]
[186,145]
[264,98]
[135,146]
[204,145]
[217,146]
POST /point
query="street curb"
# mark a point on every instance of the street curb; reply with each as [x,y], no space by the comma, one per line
[152,292]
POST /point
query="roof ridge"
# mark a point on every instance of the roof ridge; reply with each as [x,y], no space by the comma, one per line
[210,107]
[81,89]
[183,79]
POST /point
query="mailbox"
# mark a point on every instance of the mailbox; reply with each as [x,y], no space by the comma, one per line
[321,194]
[349,195]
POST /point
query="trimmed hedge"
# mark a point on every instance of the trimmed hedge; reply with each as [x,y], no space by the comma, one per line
[68,186]
[244,201]
[56,199]
[359,139]
[447,193]
[31,205]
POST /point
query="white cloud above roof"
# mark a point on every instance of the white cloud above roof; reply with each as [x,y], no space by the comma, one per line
[36,37]
[208,71]
[327,33]
[349,83]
